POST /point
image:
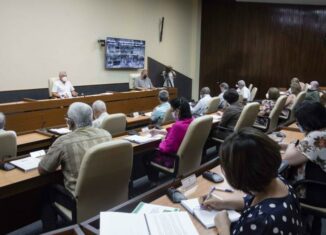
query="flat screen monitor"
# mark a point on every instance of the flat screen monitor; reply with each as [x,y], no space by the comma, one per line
[124,53]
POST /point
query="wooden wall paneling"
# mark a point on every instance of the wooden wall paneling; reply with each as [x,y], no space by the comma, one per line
[264,44]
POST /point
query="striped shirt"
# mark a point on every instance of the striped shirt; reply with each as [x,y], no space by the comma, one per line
[69,150]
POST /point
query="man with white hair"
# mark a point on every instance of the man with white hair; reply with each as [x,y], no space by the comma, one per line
[243,90]
[63,88]
[160,110]
[2,122]
[201,105]
[69,150]
[313,92]
[100,113]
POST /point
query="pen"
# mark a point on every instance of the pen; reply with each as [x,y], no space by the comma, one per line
[296,143]
[223,190]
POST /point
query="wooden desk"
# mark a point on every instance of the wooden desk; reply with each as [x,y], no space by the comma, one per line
[91,226]
[292,127]
[32,141]
[28,116]
[292,136]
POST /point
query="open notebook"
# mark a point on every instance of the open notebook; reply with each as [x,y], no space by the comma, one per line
[171,223]
[138,139]
[204,216]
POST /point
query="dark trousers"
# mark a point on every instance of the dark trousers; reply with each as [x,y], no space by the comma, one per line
[49,216]
[151,172]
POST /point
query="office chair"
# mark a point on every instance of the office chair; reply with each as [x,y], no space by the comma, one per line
[168,118]
[50,84]
[250,87]
[290,118]
[103,181]
[8,145]
[247,119]
[212,106]
[272,119]
[253,94]
[115,123]
[132,78]
[188,157]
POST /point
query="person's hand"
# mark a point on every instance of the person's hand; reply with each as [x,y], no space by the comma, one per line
[212,202]
[219,113]
[222,222]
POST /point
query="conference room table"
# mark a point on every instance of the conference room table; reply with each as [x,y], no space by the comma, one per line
[30,115]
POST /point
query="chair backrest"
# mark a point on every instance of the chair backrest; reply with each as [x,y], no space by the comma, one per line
[115,123]
[275,113]
[168,117]
[253,93]
[247,116]
[240,100]
[191,148]
[8,145]
[132,78]
[212,106]
[50,84]
[250,87]
[103,180]
[300,97]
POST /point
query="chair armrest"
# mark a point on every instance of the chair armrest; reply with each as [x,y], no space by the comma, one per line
[311,182]
[173,155]
[225,128]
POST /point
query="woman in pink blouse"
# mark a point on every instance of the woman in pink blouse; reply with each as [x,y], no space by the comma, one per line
[173,136]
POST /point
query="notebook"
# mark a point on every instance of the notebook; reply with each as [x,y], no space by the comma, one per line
[173,223]
[204,216]
[138,139]
[60,131]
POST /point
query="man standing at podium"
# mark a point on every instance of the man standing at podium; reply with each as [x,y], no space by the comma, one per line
[63,88]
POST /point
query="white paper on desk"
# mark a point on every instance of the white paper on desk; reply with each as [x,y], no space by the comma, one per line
[204,216]
[112,223]
[60,131]
[216,118]
[37,153]
[172,223]
[27,164]
[148,114]
[147,208]
[141,139]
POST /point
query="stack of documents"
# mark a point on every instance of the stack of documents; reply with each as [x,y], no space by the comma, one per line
[138,139]
[29,163]
[204,216]
[172,223]
[60,131]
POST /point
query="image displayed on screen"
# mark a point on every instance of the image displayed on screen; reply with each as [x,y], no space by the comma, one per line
[124,53]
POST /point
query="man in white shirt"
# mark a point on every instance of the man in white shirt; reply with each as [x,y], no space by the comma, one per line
[63,88]
[99,112]
[243,90]
[160,110]
[169,75]
[201,105]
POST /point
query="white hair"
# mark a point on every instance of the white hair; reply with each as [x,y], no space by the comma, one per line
[163,95]
[99,106]
[242,83]
[314,85]
[81,114]
[2,121]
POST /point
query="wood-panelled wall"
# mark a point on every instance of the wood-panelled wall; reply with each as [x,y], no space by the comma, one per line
[263,44]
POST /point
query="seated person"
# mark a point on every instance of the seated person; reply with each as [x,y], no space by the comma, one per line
[99,112]
[169,75]
[295,90]
[143,82]
[68,150]
[223,87]
[243,90]
[297,81]
[313,92]
[3,124]
[63,88]
[268,105]
[231,114]
[173,136]
[201,105]
[311,119]
[250,162]
[160,110]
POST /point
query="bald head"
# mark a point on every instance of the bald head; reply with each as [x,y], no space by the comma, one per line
[80,114]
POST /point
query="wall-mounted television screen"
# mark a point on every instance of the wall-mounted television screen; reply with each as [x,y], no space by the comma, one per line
[124,53]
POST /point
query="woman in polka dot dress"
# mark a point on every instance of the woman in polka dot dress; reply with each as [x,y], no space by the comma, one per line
[250,161]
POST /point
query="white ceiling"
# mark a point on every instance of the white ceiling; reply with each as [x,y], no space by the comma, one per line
[306,2]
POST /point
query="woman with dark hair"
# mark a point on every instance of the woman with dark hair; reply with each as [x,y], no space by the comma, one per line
[173,135]
[267,105]
[311,119]
[250,161]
